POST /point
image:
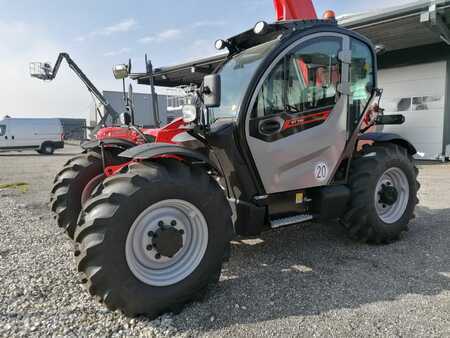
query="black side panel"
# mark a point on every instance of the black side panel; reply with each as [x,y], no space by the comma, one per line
[388,137]
[330,202]
[222,139]
[250,219]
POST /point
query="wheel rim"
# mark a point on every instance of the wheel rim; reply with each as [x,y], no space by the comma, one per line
[177,219]
[48,150]
[392,195]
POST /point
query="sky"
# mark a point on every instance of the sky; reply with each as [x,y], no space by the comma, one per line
[99,33]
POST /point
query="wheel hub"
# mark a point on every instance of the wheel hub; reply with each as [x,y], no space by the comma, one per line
[388,194]
[391,195]
[167,241]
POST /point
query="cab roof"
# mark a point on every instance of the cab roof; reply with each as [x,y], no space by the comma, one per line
[193,72]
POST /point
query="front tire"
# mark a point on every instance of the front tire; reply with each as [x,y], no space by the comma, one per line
[383,182]
[122,257]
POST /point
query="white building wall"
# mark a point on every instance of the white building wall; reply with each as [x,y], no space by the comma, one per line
[418,92]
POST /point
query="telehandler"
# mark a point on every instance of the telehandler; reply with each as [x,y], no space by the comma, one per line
[272,137]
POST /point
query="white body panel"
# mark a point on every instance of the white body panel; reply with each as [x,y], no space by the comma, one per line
[421,90]
[29,133]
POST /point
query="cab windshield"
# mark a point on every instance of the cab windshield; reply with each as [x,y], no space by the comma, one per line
[236,75]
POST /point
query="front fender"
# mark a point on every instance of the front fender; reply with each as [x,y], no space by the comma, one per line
[108,142]
[389,137]
[153,150]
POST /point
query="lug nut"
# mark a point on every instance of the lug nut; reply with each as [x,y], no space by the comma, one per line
[160,224]
[181,232]
[173,223]
[158,256]
[149,247]
[151,234]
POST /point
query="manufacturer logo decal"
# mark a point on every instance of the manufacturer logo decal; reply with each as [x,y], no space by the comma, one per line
[321,172]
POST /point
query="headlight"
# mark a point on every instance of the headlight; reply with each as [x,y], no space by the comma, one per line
[120,71]
[260,28]
[189,113]
[220,44]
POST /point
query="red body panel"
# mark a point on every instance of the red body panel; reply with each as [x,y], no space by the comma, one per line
[294,10]
[164,134]
[305,120]
[161,135]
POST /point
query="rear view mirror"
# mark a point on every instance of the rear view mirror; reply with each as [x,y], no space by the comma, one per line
[380,49]
[125,119]
[390,119]
[211,90]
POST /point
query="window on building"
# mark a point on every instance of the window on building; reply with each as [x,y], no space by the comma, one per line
[304,80]
[427,103]
[2,130]
[175,102]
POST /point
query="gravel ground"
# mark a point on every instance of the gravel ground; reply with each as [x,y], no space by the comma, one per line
[308,280]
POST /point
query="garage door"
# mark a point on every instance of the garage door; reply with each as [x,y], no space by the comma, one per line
[418,92]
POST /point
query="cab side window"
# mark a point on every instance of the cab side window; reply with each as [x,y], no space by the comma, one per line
[362,78]
[2,130]
[304,80]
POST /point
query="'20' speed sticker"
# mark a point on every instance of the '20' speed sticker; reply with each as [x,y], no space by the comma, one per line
[321,172]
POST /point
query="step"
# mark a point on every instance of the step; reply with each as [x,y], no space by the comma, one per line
[282,222]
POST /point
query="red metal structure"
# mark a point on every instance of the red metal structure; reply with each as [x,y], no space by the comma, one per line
[294,10]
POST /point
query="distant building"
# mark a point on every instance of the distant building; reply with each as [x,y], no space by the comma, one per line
[170,102]
[414,70]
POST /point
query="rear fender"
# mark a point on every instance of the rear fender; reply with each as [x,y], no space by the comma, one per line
[157,150]
[388,137]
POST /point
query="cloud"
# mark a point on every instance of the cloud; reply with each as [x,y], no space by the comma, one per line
[170,34]
[26,96]
[202,48]
[118,52]
[123,26]
[202,24]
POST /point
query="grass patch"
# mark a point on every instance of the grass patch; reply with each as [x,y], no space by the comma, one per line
[22,186]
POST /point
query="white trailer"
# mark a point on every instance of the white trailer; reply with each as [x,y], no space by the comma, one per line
[42,135]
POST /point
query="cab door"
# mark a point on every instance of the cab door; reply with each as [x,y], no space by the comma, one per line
[296,125]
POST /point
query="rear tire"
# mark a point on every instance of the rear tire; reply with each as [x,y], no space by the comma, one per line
[379,213]
[69,184]
[110,219]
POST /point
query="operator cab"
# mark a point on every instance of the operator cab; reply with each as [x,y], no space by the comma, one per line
[290,99]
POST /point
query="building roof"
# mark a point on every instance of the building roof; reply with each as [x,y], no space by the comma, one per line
[416,24]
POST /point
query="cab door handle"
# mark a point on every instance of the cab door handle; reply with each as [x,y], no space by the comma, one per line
[270,127]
